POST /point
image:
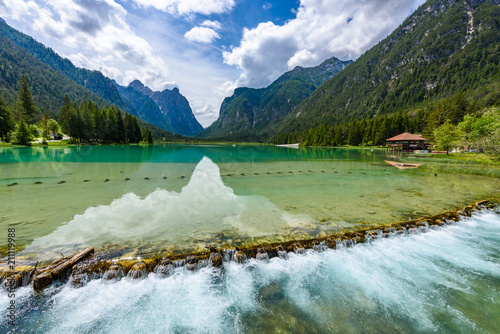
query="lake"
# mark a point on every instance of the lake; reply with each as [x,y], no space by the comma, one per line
[151,199]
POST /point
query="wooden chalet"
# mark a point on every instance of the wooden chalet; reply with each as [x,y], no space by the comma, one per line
[407,142]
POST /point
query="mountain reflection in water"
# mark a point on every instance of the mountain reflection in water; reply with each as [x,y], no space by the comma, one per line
[205,206]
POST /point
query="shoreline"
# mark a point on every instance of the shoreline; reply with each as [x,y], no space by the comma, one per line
[89,264]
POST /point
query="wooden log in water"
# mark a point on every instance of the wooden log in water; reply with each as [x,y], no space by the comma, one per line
[58,267]
[72,261]
[42,280]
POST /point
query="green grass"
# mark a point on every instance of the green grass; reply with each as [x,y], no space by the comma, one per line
[457,158]
[465,163]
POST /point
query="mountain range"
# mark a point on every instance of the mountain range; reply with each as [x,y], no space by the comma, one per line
[444,48]
[251,114]
[51,77]
[168,109]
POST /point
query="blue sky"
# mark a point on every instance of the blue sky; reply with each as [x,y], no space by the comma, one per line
[205,47]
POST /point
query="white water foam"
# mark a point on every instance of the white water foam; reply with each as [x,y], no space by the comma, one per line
[442,281]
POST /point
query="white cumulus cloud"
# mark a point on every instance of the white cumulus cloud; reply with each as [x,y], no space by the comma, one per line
[321,29]
[188,7]
[202,35]
[212,24]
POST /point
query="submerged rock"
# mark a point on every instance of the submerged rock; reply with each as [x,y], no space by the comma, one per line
[272,292]
[192,262]
[423,227]
[216,260]
[372,235]
[165,268]
[138,271]
[400,230]
[239,257]
[413,230]
[330,243]
[298,248]
[317,247]
[262,255]
[282,253]
[114,273]
[347,243]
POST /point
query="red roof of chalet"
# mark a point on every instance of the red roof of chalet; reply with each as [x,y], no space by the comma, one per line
[406,136]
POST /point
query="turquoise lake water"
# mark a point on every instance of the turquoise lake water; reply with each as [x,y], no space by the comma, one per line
[152,199]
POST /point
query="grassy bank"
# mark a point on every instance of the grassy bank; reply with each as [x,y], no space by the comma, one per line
[467,163]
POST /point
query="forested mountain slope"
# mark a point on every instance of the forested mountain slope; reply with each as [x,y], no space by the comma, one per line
[47,85]
[179,118]
[251,114]
[443,48]
[94,81]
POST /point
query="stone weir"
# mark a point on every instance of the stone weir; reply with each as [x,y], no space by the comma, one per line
[88,264]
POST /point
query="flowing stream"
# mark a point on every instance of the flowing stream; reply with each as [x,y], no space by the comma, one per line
[443,281]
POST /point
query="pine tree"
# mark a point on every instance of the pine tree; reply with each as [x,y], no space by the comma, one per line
[111,127]
[138,133]
[6,121]
[22,135]
[120,128]
[76,122]
[25,104]
[65,115]
[100,124]
[147,137]
[88,125]
[150,137]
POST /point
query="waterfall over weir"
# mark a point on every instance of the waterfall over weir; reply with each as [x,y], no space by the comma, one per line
[446,280]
